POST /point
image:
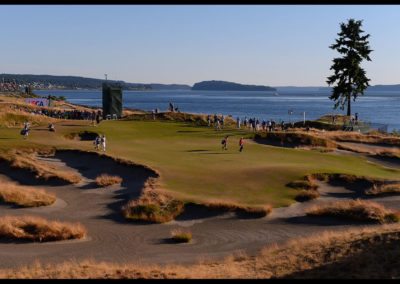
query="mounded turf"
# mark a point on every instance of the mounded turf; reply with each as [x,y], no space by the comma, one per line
[193,165]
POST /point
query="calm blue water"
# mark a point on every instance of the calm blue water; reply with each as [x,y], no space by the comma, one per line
[377,107]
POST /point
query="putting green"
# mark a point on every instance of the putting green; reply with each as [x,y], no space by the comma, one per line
[193,165]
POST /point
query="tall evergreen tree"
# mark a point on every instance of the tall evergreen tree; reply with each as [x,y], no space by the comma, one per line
[350,78]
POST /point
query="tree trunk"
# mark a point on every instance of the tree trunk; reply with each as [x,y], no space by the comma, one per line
[349,105]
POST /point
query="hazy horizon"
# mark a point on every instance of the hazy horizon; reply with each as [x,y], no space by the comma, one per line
[271,45]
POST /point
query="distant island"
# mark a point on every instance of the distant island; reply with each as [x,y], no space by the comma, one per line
[228,86]
[50,82]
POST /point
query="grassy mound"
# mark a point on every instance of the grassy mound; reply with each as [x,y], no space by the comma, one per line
[181,236]
[106,180]
[36,229]
[359,210]
[153,206]
[25,196]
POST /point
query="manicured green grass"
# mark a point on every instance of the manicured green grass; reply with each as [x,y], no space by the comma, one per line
[194,167]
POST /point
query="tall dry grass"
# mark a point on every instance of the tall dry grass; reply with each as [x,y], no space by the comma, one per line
[255,211]
[106,180]
[25,196]
[28,161]
[37,229]
[384,189]
[360,210]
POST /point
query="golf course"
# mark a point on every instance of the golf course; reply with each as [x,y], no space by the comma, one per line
[173,178]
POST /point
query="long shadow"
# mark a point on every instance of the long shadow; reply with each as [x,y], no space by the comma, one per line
[90,165]
[194,211]
[323,221]
[196,151]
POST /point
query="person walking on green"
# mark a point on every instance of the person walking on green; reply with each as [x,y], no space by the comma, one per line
[224,143]
[241,143]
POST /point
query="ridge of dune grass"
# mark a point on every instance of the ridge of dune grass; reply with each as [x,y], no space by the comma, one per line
[384,189]
[27,160]
[225,205]
[106,180]
[359,210]
[372,252]
[37,229]
[153,206]
[25,196]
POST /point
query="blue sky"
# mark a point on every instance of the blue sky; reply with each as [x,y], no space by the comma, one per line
[276,45]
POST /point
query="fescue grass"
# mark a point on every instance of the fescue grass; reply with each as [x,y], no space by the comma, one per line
[384,189]
[306,195]
[106,180]
[359,210]
[25,196]
[28,161]
[153,206]
[181,236]
[37,229]
[255,211]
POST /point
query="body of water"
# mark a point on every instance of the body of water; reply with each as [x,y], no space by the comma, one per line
[377,107]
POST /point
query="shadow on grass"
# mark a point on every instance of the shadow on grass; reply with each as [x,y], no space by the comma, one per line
[196,151]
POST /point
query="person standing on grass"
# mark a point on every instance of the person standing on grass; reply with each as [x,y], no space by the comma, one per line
[241,143]
[103,142]
[209,120]
[222,121]
[224,143]
[238,122]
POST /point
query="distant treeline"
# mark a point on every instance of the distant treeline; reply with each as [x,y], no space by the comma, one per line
[228,86]
[76,82]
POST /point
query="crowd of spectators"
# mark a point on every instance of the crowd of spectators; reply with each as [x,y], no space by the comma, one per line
[62,114]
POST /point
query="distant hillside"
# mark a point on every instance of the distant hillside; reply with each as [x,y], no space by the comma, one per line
[169,86]
[76,82]
[384,88]
[228,86]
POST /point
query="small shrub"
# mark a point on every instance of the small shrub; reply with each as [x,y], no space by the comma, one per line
[181,236]
[106,180]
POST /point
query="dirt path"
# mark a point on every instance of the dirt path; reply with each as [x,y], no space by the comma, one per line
[111,238]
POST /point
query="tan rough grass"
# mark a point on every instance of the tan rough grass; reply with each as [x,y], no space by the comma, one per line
[28,161]
[181,236]
[25,196]
[153,206]
[106,180]
[305,195]
[360,210]
[372,252]
[384,189]
[37,229]
[258,211]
